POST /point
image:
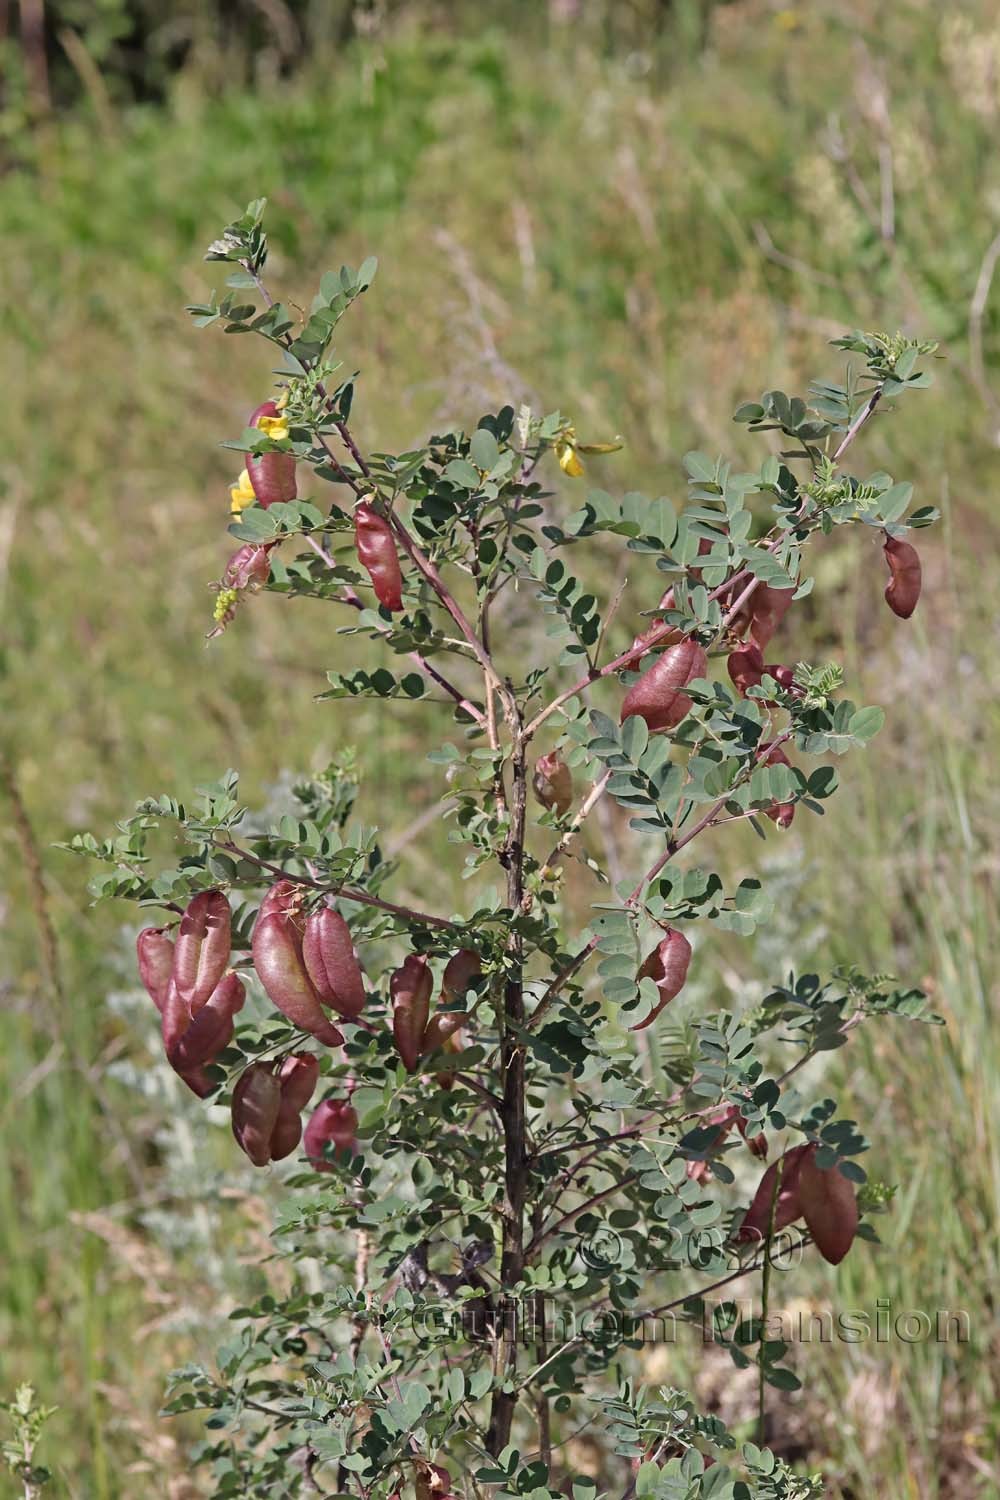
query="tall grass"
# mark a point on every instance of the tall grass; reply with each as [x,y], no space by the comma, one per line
[642,240]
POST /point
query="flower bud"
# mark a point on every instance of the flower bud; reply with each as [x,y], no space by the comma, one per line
[204,942]
[155,953]
[328,954]
[657,696]
[553,783]
[410,989]
[830,1208]
[272,475]
[667,966]
[334,1121]
[277,958]
[903,589]
[377,554]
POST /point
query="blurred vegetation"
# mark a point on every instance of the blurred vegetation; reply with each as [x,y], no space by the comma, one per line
[642,215]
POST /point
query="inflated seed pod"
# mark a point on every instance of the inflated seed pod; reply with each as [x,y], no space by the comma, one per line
[781,813]
[248,568]
[553,783]
[376,549]
[272,475]
[768,607]
[657,697]
[667,967]
[154,951]
[256,1101]
[328,953]
[277,958]
[829,1207]
[297,1078]
[746,667]
[334,1122]
[441,1027]
[204,942]
[903,589]
[788,1208]
[410,990]
[210,1028]
[460,973]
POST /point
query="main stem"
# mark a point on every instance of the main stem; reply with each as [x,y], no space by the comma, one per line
[512,1110]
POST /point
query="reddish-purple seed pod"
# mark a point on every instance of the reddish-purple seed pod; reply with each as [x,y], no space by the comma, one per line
[902,592]
[155,954]
[553,783]
[248,568]
[410,989]
[441,1027]
[204,942]
[788,1207]
[210,1029]
[335,1122]
[328,953]
[277,957]
[781,813]
[297,1079]
[667,967]
[768,607]
[745,667]
[376,549]
[460,972]
[657,696]
[272,475]
[829,1207]
[256,1102]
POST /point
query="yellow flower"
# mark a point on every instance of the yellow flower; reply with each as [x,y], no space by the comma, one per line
[276,428]
[241,494]
[569,460]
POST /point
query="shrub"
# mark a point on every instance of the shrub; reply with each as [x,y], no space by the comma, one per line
[499,1198]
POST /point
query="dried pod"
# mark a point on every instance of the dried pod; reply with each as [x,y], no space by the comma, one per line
[788,1207]
[781,813]
[256,1102]
[829,1207]
[204,942]
[278,960]
[667,966]
[376,549]
[657,696]
[460,973]
[553,783]
[768,607]
[328,953]
[210,1029]
[155,953]
[746,667]
[272,475]
[333,1121]
[248,568]
[297,1081]
[903,589]
[410,989]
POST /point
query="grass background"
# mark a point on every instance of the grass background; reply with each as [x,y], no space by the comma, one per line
[642,229]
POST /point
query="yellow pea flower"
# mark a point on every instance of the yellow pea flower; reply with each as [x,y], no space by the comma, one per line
[569,460]
[241,494]
[276,428]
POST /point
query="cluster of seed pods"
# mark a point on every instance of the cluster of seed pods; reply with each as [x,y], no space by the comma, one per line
[415,1031]
[794,1188]
[307,966]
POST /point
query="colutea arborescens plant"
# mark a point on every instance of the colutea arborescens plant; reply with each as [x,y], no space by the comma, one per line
[500,1184]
